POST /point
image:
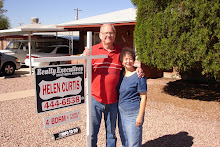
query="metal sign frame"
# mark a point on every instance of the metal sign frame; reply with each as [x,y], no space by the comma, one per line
[88,75]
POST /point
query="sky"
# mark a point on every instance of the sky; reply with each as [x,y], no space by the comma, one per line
[50,12]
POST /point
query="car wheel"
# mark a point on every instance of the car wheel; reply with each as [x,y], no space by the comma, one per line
[8,69]
[54,63]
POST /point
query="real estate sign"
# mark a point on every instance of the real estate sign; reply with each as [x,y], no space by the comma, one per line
[60,119]
[59,86]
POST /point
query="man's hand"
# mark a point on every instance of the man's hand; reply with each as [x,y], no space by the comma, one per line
[140,72]
[86,52]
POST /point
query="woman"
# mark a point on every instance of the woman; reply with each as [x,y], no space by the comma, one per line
[132,101]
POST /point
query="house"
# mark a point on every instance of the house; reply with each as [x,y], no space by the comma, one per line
[124,22]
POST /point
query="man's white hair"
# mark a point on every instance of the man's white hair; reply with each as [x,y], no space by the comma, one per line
[102,26]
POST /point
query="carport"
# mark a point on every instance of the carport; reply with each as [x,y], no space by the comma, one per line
[29,32]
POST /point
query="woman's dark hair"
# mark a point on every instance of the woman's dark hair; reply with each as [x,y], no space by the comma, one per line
[129,51]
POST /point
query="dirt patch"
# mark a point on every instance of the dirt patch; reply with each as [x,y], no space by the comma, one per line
[170,121]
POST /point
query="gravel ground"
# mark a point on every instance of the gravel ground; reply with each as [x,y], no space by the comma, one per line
[170,121]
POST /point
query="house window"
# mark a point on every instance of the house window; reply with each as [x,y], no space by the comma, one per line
[96,39]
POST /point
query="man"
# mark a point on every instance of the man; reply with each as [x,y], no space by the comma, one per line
[105,77]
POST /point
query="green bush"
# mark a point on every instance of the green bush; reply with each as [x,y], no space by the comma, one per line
[179,33]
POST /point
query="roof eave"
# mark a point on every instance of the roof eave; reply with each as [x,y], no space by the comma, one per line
[98,25]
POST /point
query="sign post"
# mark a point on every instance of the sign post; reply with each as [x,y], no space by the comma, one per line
[89,95]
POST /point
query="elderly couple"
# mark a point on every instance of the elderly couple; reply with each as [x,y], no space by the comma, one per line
[115,92]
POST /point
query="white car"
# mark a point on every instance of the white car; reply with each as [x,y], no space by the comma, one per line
[51,51]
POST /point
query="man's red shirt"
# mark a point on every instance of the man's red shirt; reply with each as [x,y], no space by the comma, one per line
[105,74]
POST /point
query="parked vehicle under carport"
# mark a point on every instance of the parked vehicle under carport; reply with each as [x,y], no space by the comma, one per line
[19,49]
[8,64]
[50,51]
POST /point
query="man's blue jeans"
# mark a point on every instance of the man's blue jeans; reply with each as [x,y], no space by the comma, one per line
[110,115]
[131,136]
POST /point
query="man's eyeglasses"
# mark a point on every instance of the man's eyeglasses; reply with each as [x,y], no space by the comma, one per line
[108,33]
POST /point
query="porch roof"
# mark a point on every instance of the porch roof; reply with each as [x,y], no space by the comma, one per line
[30,29]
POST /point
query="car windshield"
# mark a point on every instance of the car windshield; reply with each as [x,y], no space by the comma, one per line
[13,45]
[45,49]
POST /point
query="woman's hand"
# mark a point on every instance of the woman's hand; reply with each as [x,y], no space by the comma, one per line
[139,120]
